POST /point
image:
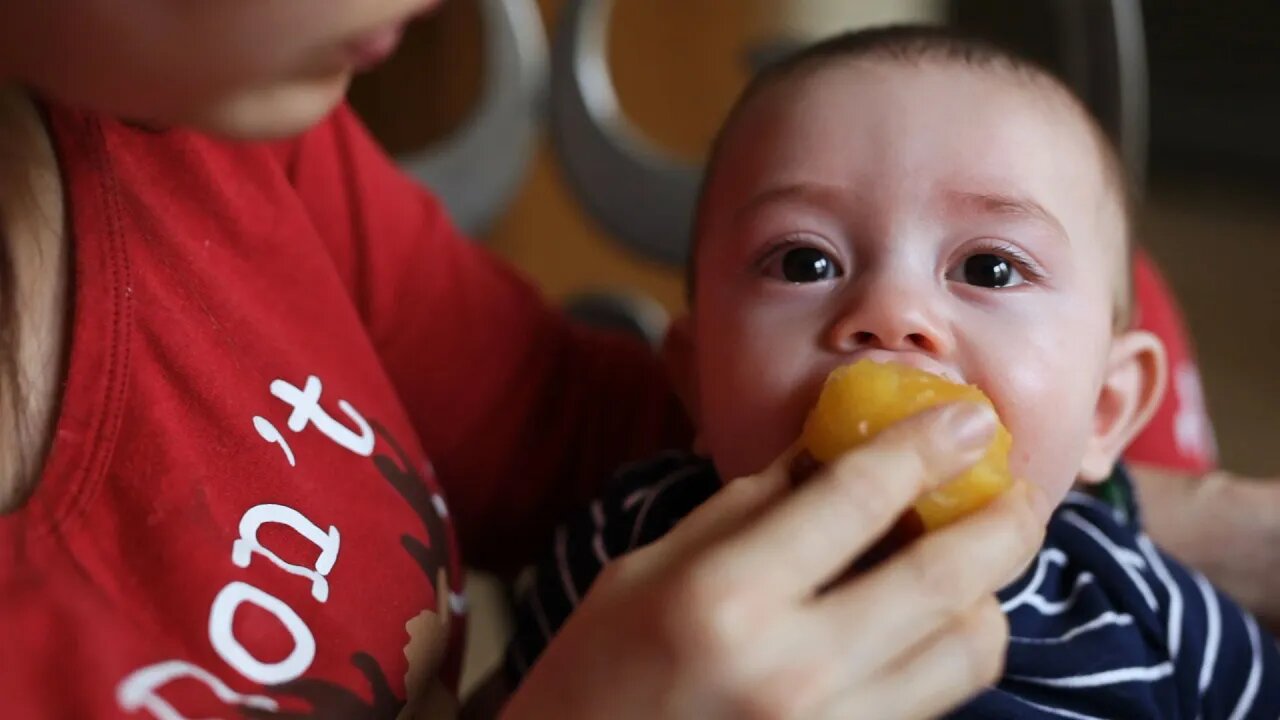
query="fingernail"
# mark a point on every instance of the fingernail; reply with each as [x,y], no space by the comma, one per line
[968,425]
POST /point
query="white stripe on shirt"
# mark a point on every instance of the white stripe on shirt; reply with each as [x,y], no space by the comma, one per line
[1175,594]
[1255,673]
[597,537]
[1213,631]
[1107,677]
[1058,607]
[1106,619]
[562,563]
[1057,711]
[1043,559]
[540,615]
[1127,559]
[654,492]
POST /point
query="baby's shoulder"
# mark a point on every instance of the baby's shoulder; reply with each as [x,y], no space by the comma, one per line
[1097,578]
[1103,620]
[646,499]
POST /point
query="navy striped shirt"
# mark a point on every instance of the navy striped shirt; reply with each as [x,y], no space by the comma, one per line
[1102,625]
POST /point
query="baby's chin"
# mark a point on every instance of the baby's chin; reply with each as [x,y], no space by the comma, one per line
[1047,493]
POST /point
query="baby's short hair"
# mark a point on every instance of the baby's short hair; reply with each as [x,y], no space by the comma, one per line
[931,43]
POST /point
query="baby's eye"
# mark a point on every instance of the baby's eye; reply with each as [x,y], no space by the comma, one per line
[989,270]
[802,265]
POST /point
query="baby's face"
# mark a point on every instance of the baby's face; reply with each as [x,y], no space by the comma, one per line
[953,219]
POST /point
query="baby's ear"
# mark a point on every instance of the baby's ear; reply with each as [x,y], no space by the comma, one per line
[678,356]
[1135,379]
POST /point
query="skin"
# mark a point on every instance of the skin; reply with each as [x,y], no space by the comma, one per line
[31,214]
[242,68]
[1225,526]
[851,162]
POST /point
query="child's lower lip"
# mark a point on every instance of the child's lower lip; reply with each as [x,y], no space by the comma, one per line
[373,48]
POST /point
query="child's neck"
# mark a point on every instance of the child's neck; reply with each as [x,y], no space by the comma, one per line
[34,317]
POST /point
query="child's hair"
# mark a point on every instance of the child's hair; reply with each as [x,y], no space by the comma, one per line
[918,44]
[12,397]
[12,402]
[9,397]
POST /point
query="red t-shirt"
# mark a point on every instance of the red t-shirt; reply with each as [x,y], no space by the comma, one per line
[290,384]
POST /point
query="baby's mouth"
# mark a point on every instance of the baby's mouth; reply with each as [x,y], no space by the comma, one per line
[910,358]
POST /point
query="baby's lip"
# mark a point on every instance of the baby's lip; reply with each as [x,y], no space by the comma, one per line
[910,358]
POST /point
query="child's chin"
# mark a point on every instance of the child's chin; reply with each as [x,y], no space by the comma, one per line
[1046,496]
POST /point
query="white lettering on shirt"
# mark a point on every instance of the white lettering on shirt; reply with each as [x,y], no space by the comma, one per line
[242,550]
[237,656]
[306,409]
[138,691]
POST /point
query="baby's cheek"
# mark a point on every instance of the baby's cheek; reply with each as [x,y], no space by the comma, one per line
[1048,445]
[753,407]
[1049,416]
[755,418]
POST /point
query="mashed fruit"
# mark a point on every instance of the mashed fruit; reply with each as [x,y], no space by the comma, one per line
[860,400]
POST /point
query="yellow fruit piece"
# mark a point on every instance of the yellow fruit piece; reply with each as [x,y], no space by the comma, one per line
[860,400]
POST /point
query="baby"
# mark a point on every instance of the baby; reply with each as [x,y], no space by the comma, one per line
[905,195]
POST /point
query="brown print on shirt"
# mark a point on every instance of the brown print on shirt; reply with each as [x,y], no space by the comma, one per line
[429,630]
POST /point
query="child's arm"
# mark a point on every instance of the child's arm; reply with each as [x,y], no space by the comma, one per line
[1104,624]
[522,413]
[1226,526]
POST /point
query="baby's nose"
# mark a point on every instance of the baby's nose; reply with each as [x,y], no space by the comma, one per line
[897,320]
[895,341]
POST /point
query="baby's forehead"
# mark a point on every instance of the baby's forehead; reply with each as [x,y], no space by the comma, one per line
[918,97]
[868,122]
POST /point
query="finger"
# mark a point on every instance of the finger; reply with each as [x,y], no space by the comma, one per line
[1028,504]
[943,672]
[816,531]
[934,582]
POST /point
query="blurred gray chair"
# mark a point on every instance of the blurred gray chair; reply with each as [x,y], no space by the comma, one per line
[1105,60]
[478,169]
[628,312]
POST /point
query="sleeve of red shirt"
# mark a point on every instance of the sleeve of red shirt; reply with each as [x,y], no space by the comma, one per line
[523,414]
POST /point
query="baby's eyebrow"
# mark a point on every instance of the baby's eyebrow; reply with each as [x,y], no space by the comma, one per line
[816,194]
[1009,205]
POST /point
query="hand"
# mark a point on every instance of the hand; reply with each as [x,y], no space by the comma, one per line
[1225,526]
[724,617]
